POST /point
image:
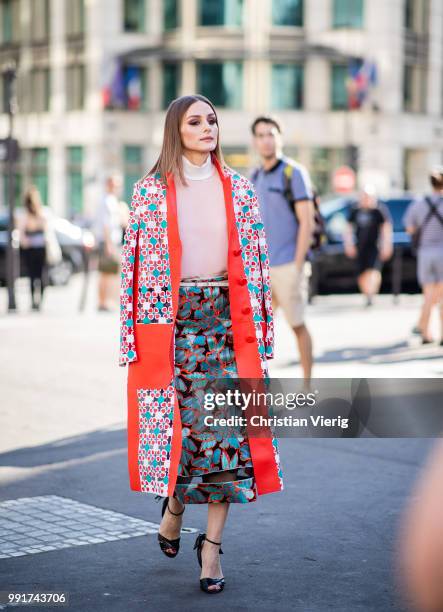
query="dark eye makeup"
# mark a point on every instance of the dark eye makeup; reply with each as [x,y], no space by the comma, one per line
[197,121]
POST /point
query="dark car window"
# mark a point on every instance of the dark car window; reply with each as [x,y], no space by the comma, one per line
[397,208]
[336,216]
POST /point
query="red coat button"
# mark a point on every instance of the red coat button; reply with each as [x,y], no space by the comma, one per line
[237,252]
[250,338]
[242,281]
[246,310]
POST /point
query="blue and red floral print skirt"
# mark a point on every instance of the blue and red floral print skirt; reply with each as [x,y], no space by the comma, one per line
[204,352]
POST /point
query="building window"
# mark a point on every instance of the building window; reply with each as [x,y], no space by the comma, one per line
[220,12]
[287,86]
[171,17]
[339,92]
[221,82]
[171,82]
[134,15]
[4,91]
[39,91]
[417,16]
[75,17]
[133,169]
[75,87]
[75,181]
[10,21]
[323,164]
[40,19]
[39,172]
[414,89]
[348,13]
[409,14]
[287,12]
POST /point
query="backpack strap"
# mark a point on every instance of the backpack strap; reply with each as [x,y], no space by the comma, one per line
[416,238]
[433,212]
[287,189]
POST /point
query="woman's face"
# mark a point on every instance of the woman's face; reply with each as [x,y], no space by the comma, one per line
[199,129]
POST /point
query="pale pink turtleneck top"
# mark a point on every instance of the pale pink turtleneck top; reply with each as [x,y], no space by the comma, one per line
[202,220]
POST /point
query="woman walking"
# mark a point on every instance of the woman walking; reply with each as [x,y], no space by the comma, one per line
[195,308]
[33,229]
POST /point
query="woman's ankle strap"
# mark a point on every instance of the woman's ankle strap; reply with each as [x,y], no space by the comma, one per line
[176,513]
[212,541]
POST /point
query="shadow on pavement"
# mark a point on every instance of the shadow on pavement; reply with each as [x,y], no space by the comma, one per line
[394,353]
[66,449]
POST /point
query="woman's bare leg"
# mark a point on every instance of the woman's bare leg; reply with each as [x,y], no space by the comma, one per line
[217,515]
[171,525]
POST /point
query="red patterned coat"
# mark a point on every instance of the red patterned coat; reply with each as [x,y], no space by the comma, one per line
[151,273]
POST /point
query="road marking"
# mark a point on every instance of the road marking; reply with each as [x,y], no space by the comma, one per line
[31,525]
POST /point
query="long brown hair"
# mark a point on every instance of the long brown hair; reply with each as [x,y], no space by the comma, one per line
[170,158]
[33,202]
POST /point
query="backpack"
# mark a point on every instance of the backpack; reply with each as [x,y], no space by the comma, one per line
[319,234]
[416,236]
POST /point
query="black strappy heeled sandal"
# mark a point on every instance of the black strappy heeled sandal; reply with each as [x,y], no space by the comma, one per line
[205,583]
[165,543]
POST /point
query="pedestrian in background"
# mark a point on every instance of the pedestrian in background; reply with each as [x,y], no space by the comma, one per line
[424,221]
[124,218]
[285,197]
[368,239]
[108,232]
[34,230]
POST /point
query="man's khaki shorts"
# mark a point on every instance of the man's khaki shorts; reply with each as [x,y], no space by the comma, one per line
[290,291]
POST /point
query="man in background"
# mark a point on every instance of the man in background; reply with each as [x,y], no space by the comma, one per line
[368,239]
[108,231]
[285,197]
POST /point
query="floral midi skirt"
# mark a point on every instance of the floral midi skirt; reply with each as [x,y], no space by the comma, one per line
[204,352]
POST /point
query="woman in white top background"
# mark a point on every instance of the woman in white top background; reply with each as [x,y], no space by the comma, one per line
[195,308]
[33,228]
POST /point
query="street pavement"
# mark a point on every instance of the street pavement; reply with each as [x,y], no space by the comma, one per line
[327,542]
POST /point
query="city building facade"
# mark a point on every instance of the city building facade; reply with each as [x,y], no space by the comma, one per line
[94,78]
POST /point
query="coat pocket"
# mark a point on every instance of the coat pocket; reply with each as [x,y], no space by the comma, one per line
[156,416]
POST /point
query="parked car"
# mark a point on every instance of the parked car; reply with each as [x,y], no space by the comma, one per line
[334,272]
[74,242]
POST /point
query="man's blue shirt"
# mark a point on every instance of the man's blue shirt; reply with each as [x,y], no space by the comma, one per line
[280,223]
